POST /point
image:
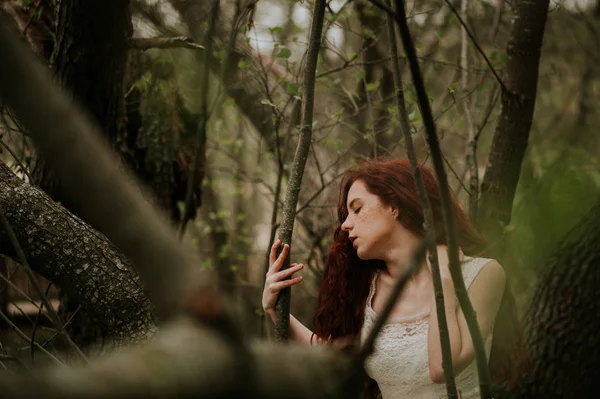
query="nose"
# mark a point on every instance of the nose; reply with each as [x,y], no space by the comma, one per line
[347,225]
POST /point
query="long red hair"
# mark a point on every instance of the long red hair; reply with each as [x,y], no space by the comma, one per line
[346,280]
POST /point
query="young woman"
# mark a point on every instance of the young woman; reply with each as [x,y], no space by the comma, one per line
[380,226]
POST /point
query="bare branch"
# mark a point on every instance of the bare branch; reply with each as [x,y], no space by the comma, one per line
[448,211]
[144,44]
[429,224]
[175,365]
[200,142]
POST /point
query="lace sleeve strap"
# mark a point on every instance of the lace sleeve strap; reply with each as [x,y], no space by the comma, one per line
[471,269]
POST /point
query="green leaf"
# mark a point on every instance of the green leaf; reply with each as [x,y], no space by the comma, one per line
[291,88]
[373,86]
[339,113]
[244,64]
[283,52]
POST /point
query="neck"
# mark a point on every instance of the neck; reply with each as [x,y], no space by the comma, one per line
[400,256]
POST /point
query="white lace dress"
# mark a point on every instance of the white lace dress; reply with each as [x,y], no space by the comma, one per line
[399,362]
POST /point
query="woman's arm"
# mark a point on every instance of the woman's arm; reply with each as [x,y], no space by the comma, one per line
[275,281]
[485,294]
[298,331]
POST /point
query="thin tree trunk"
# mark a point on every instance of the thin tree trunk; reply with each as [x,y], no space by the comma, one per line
[448,212]
[512,132]
[282,325]
[471,141]
[427,213]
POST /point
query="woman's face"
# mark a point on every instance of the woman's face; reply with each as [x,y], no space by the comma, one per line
[370,224]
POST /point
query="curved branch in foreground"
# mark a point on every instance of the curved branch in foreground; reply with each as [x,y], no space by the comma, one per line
[65,250]
[191,362]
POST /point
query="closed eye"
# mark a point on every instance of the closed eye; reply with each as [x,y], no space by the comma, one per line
[357,210]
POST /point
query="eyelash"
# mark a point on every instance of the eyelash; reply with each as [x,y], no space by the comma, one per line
[357,210]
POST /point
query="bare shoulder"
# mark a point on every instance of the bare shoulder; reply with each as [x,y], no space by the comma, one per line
[491,275]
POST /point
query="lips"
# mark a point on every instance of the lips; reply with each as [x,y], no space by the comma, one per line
[352,239]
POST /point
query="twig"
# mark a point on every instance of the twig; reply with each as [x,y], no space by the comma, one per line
[36,323]
[144,44]
[26,338]
[487,61]
[38,6]
[30,274]
[23,168]
[448,211]
[471,142]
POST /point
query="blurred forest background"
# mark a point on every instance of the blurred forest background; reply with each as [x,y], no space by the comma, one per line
[214,147]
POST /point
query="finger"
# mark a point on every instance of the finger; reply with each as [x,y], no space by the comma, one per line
[279,262]
[288,272]
[277,287]
[273,254]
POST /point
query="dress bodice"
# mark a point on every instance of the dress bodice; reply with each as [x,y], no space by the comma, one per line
[399,361]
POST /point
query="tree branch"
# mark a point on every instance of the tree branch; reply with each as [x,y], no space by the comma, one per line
[448,211]
[429,224]
[65,250]
[175,365]
[164,43]
[92,177]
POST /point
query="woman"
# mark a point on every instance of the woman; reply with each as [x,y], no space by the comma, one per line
[381,225]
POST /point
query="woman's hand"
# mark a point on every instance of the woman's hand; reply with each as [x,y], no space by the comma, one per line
[276,279]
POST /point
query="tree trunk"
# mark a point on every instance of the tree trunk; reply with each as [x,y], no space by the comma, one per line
[89,60]
[563,323]
[512,132]
[65,250]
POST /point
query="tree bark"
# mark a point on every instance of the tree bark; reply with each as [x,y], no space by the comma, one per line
[90,57]
[512,132]
[89,60]
[562,322]
[65,250]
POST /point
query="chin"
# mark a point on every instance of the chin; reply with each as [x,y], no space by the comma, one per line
[363,255]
